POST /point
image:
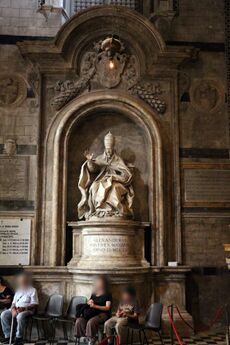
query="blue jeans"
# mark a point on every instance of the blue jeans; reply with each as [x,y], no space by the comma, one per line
[20,319]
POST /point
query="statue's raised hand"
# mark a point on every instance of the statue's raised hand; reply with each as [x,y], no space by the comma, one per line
[88,155]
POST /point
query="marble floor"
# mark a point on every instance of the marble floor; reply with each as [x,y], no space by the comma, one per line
[199,339]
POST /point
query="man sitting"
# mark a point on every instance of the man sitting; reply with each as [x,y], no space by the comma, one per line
[128,311]
[24,304]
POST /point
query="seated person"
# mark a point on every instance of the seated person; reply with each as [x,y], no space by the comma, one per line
[24,304]
[127,311]
[6,296]
[97,310]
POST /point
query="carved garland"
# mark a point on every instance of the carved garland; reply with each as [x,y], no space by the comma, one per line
[95,73]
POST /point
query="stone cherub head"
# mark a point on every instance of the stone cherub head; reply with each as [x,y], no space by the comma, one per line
[10,147]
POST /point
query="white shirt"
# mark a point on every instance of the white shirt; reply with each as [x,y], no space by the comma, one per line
[25,297]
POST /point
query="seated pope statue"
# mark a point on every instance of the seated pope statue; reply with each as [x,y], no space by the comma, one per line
[105,185]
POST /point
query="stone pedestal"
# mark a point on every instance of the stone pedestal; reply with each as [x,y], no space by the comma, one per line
[170,289]
[109,244]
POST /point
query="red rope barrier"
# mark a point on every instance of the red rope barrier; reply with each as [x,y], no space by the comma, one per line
[104,340]
[117,340]
[188,324]
[174,328]
[216,318]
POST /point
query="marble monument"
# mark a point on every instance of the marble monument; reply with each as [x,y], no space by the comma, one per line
[109,193]
[108,232]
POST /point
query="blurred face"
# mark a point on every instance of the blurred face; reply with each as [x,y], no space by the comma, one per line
[23,281]
[109,152]
[126,298]
[99,285]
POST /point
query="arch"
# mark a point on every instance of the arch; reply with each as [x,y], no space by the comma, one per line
[99,21]
[56,154]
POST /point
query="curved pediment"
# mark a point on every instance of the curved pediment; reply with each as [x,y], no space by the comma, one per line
[77,53]
[138,34]
[78,35]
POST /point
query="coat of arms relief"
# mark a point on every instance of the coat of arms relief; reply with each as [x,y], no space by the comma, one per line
[98,70]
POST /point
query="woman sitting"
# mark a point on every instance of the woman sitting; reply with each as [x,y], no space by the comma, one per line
[6,296]
[96,311]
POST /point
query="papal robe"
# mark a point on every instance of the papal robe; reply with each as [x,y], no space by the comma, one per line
[105,186]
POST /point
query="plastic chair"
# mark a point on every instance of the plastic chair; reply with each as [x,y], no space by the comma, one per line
[152,322]
[53,310]
[70,316]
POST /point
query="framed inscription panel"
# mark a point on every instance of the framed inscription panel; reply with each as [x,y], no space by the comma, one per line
[206,184]
[15,241]
[14,178]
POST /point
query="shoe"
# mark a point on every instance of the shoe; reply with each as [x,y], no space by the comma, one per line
[91,341]
[5,340]
[18,341]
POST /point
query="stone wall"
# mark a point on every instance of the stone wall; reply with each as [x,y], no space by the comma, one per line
[20,18]
[204,134]
[204,141]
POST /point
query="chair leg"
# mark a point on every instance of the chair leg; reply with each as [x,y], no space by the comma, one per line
[160,336]
[54,330]
[31,328]
[37,327]
[64,331]
[127,337]
[140,338]
[145,337]
[131,337]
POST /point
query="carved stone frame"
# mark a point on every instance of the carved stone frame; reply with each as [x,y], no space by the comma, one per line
[157,63]
[56,152]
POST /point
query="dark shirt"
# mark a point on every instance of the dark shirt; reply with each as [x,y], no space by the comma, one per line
[101,301]
[6,292]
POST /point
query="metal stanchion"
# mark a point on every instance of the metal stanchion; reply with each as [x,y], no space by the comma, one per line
[172,334]
[11,330]
[227,325]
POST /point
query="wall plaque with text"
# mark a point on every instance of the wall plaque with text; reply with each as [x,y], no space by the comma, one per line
[206,185]
[13,178]
[15,241]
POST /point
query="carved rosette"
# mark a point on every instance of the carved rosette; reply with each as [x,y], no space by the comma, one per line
[207,95]
[95,73]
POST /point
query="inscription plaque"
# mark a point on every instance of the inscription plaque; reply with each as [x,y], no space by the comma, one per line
[13,178]
[111,245]
[207,185]
[15,241]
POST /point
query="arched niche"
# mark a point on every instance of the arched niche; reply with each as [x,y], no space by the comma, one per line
[63,132]
[132,144]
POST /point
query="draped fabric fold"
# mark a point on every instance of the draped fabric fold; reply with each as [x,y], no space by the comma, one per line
[105,186]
